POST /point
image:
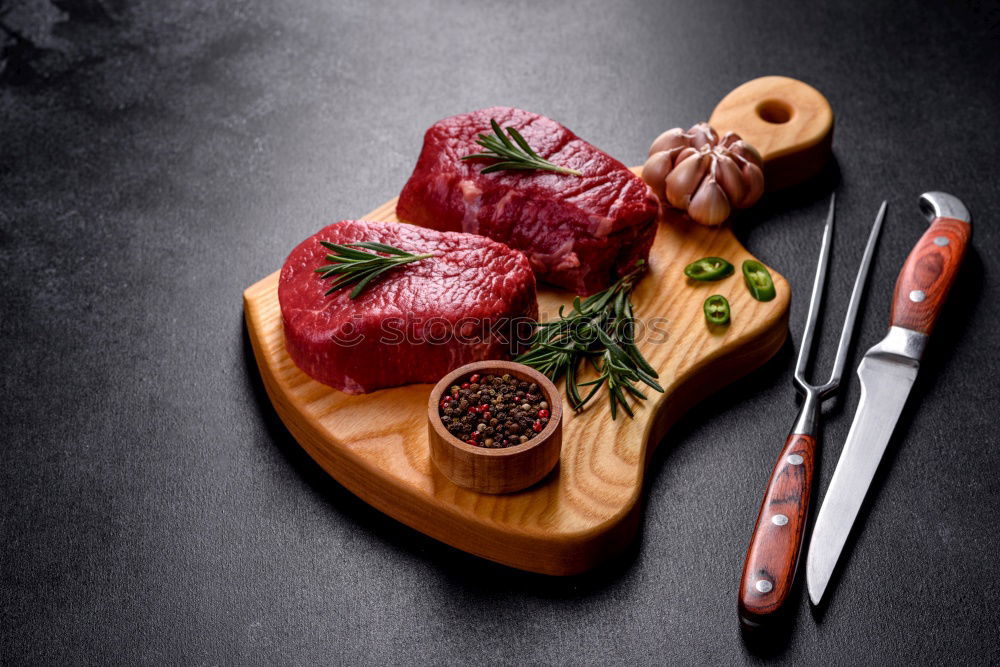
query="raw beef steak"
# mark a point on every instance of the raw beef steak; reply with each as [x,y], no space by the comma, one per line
[416,322]
[578,232]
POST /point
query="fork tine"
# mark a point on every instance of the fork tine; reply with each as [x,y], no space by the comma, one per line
[805,348]
[852,310]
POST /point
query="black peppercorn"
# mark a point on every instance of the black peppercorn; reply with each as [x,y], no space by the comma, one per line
[493,411]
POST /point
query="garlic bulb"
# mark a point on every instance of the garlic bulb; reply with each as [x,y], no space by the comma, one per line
[702,174]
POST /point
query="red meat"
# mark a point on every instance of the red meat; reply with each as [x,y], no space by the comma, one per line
[414,324]
[578,232]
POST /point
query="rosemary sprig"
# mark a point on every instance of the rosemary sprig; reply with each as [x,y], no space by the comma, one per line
[358,268]
[511,156]
[600,330]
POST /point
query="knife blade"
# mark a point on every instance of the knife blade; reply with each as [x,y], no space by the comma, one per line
[887,373]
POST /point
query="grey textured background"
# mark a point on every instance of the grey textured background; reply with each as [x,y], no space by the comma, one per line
[157,157]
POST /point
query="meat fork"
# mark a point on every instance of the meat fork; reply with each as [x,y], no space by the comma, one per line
[773,554]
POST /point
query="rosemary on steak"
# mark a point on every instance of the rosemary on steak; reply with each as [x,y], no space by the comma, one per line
[511,156]
[599,329]
[352,266]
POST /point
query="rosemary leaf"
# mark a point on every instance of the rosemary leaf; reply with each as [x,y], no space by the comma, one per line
[597,330]
[352,266]
[511,156]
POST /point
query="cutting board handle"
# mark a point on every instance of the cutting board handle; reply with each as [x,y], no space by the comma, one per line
[789,122]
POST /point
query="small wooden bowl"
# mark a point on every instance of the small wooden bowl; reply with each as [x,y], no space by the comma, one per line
[503,469]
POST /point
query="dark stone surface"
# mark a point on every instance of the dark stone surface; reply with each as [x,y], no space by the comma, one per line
[157,157]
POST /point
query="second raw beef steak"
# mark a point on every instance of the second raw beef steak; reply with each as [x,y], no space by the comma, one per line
[578,232]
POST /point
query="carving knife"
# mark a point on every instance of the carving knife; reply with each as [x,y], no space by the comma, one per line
[887,372]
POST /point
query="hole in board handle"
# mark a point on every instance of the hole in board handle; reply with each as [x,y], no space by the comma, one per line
[775,112]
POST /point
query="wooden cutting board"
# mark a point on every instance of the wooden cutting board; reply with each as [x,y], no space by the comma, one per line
[587,510]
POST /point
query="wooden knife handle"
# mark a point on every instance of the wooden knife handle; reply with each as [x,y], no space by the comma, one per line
[773,555]
[928,274]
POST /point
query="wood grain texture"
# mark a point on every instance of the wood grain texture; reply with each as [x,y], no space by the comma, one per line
[773,555]
[500,470]
[789,122]
[928,274]
[587,510]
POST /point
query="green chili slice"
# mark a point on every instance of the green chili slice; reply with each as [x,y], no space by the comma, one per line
[708,268]
[758,280]
[716,309]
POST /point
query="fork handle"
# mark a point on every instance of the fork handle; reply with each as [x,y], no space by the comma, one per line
[773,554]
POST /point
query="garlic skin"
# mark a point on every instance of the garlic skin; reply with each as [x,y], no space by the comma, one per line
[700,173]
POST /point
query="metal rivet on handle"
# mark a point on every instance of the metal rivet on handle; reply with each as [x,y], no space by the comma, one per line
[764,586]
[779,519]
[795,459]
[917,295]
[941,240]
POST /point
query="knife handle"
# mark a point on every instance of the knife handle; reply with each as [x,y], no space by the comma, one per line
[928,274]
[773,554]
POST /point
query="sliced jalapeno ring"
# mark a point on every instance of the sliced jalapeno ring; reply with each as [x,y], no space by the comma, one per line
[716,309]
[758,280]
[708,268]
